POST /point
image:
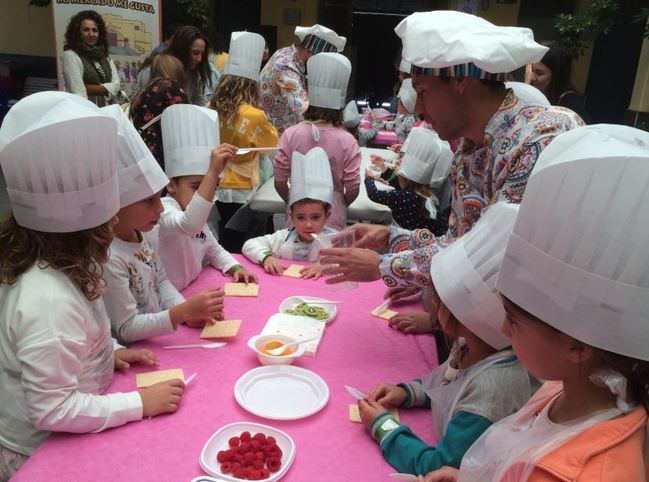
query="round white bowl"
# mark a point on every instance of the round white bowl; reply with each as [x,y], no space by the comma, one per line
[256,343]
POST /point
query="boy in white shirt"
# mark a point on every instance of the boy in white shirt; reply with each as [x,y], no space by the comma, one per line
[310,200]
[140,300]
[186,242]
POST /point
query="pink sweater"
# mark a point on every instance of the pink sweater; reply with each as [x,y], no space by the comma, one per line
[344,157]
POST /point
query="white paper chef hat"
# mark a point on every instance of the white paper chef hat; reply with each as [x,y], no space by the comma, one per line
[57,152]
[328,75]
[578,257]
[465,274]
[311,177]
[455,44]
[351,116]
[427,158]
[245,54]
[189,133]
[407,95]
[405,66]
[528,93]
[140,175]
[318,38]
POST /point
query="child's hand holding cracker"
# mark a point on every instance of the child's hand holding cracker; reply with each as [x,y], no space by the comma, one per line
[369,410]
[205,307]
[161,397]
[388,395]
[124,357]
[242,275]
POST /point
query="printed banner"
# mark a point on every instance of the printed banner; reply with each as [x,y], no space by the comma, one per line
[133,31]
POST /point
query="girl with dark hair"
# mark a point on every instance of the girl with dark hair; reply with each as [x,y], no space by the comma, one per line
[552,77]
[190,47]
[88,71]
[163,89]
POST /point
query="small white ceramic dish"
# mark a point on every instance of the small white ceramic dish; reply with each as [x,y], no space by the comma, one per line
[292,301]
[281,392]
[257,343]
[219,441]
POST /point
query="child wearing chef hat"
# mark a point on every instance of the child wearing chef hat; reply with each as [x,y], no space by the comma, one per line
[57,152]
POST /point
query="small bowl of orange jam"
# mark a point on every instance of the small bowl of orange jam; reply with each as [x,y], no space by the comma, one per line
[262,343]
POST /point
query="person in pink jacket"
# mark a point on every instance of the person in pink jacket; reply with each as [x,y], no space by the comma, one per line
[575,286]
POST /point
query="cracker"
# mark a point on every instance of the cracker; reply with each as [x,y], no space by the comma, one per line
[241,289]
[221,329]
[386,315]
[293,271]
[355,414]
[147,379]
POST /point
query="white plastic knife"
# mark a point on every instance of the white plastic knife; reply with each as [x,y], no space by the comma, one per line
[355,392]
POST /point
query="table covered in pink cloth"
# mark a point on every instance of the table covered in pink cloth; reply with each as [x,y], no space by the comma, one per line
[385,138]
[357,349]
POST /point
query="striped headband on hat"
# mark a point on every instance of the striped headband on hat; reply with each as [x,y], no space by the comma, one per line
[461,70]
[315,45]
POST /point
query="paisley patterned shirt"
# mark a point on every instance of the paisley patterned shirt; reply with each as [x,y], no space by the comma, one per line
[284,89]
[480,175]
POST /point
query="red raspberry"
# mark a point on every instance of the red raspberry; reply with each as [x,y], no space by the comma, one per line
[234,442]
[244,447]
[274,463]
[245,436]
[226,467]
[238,458]
[221,456]
[240,474]
[236,466]
[249,458]
[250,472]
[260,436]
[260,456]
[271,441]
[265,473]
[255,444]
[258,464]
[254,475]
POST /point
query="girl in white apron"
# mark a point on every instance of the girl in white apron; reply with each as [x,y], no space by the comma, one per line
[58,154]
[482,381]
[575,283]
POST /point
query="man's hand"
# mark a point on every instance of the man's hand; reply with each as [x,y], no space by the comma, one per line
[350,264]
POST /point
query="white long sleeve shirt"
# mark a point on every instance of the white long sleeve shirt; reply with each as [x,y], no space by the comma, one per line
[138,294]
[56,358]
[186,242]
[284,244]
[73,75]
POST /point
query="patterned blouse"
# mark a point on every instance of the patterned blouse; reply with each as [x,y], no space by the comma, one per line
[284,89]
[155,99]
[480,176]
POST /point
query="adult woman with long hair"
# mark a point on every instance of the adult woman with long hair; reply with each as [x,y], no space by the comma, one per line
[242,124]
[190,47]
[164,88]
[88,71]
[552,77]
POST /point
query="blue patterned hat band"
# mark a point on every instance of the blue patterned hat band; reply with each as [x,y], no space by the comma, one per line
[315,45]
[461,70]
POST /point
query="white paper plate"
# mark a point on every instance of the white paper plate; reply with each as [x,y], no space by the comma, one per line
[281,392]
[291,302]
[219,441]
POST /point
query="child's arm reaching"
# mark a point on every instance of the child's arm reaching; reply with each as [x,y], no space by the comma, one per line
[313,271]
[193,218]
[260,249]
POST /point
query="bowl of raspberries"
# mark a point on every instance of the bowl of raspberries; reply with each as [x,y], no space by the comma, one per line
[248,451]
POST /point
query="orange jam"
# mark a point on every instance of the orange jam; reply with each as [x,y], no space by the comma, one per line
[271,345]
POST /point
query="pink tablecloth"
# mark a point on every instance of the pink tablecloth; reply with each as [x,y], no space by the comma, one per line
[385,138]
[357,349]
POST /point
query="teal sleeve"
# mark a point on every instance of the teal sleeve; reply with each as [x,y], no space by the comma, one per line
[407,453]
[415,395]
